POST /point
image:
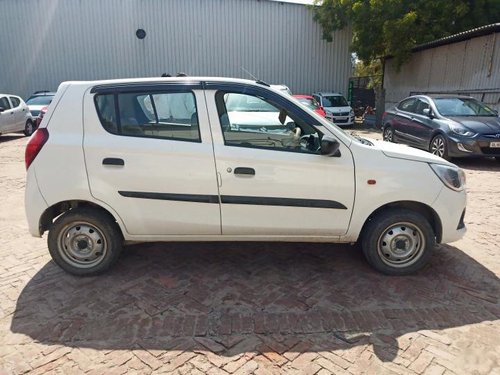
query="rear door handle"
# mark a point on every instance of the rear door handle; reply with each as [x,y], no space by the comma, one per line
[244,171]
[113,161]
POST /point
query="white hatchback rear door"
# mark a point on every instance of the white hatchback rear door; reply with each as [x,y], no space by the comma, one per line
[149,156]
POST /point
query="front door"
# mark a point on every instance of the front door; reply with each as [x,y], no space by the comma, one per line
[149,156]
[273,180]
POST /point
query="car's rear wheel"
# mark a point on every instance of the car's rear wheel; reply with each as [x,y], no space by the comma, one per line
[439,146]
[398,241]
[29,128]
[388,134]
[85,242]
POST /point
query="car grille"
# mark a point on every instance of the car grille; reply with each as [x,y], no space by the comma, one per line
[35,113]
[340,114]
[340,121]
[494,136]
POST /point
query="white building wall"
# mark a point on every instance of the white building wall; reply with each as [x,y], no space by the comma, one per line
[46,42]
[471,66]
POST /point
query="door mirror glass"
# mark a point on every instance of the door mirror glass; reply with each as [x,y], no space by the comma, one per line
[2,109]
[330,147]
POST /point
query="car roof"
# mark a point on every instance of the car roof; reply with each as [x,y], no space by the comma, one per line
[439,96]
[329,94]
[43,93]
[301,96]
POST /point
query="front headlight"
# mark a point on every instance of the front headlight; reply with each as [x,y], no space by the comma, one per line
[460,130]
[452,177]
[351,113]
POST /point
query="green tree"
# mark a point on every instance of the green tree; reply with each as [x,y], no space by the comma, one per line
[393,27]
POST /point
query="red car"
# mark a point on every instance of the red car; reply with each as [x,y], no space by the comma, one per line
[311,103]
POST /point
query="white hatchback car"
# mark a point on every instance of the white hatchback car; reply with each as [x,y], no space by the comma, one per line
[15,115]
[160,160]
[336,107]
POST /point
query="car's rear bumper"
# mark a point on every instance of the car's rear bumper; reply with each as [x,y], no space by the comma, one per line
[35,205]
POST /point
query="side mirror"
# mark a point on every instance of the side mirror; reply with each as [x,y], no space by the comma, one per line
[428,112]
[2,109]
[330,147]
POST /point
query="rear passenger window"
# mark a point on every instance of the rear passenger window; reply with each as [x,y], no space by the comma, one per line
[407,105]
[4,103]
[171,115]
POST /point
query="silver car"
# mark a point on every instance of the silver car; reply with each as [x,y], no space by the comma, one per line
[15,115]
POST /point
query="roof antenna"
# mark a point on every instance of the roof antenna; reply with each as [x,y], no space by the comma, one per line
[250,74]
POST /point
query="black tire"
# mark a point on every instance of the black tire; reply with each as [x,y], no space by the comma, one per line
[388,134]
[439,146]
[85,241]
[384,250]
[29,128]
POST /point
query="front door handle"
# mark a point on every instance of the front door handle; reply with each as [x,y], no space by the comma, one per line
[113,161]
[244,171]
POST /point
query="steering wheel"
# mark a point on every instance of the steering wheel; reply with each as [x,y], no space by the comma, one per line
[310,142]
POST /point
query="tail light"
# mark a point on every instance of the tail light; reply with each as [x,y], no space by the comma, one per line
[383,115]
[35,144]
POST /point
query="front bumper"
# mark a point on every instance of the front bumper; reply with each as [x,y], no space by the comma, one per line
[479,146]
[450,207]
[341,120]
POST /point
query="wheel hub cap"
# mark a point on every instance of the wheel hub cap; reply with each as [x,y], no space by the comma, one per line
[401,245]
[82,245]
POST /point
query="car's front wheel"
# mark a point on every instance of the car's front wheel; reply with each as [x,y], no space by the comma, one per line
[29,128]
[85,241]
[439,146]
[388,134]
[398,241]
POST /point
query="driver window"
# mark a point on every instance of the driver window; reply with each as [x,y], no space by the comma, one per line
[251,121]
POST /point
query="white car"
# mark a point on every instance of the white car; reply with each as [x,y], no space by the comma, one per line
[111,162]
[336,107]
[15,115]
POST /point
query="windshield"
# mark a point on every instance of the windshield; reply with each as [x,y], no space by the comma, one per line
[334,101]
[462,107]
[309,103]
[40,100]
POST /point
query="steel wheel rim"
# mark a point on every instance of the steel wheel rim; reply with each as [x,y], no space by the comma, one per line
[82,245]
[437,147]
[388,134]
[401,245]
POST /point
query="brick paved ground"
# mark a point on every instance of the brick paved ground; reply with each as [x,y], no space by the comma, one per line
[242,308]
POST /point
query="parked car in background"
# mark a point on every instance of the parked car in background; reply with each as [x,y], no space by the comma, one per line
[39,100]
[336,107]
[311,103]
[283,88]
[129,171]
[445,125]
[15,115]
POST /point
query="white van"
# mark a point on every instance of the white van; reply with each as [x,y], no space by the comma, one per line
[162,160]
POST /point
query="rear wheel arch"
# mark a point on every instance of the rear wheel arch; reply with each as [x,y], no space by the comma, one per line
[53,212]
[421,208]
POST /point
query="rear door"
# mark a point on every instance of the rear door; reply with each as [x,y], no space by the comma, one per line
[149,156]
[402,121]
[273,180]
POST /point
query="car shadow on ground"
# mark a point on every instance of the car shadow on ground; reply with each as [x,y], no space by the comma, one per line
[10,137]
[478,164]
[231,298]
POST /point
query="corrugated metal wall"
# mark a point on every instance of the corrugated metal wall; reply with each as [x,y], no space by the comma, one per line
[471,65]
[45,42]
